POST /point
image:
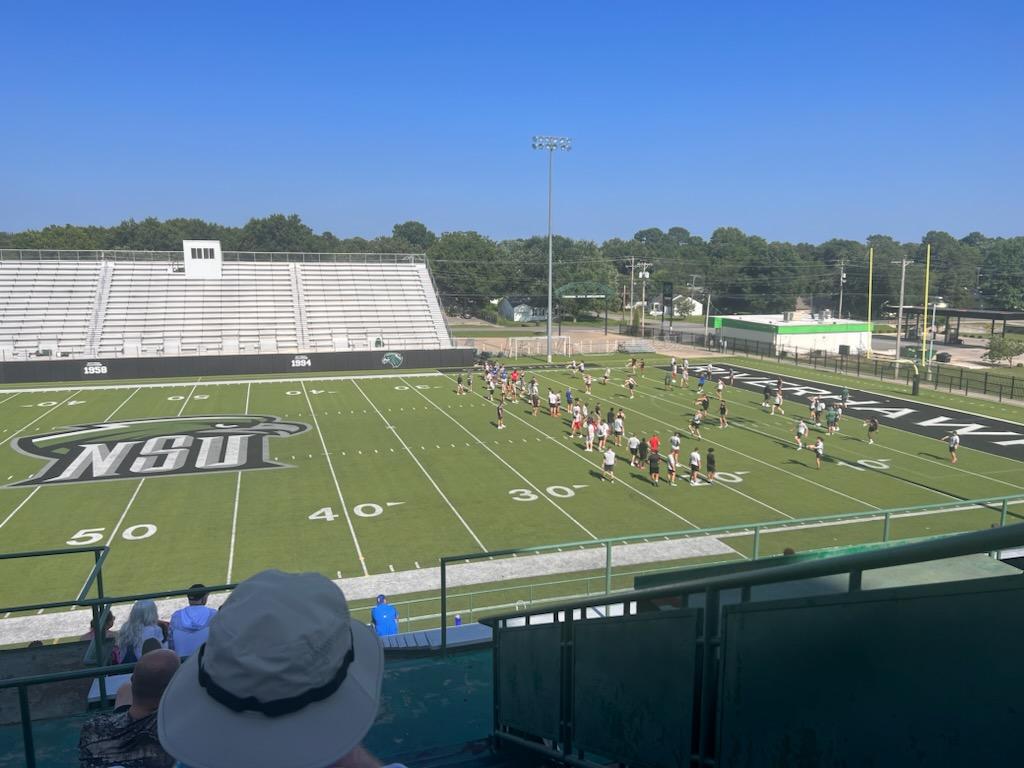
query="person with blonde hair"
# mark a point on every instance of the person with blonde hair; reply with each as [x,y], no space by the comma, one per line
[143,624]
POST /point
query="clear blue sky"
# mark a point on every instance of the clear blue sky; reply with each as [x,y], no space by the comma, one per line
[793,120]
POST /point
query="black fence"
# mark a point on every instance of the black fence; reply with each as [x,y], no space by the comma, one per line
[1003,385]
[112,368]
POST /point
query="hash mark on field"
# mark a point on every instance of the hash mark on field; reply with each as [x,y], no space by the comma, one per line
[339,574]
[391,567]
[416,563]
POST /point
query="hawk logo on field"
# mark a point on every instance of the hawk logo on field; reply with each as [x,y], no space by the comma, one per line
[394,359]
[186,445]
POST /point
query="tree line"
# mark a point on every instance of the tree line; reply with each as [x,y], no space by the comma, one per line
[742,273]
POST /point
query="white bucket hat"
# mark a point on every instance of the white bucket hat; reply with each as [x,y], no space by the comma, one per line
[286,679]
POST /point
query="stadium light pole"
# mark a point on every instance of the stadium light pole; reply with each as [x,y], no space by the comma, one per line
[551,143]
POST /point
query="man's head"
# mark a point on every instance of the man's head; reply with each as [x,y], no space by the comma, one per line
[197,594]
[151,677]
[381,599]
[285,678]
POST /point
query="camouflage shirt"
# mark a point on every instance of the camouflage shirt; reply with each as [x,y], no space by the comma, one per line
[116,739]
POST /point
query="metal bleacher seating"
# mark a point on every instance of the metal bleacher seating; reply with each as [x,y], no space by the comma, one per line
[395,302]
[158,311]
[112,305]
[46,306]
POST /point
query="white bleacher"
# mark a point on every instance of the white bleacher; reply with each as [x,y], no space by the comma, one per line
[363,301]
[160,311]
[47,305]
[140,308]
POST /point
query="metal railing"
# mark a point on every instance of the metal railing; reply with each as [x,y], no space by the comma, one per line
[99,608]
[114,254]
[997,504]
[952,378]
[709,636]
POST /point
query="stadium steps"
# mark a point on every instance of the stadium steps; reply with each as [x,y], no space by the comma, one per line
[298,306]
[92,341]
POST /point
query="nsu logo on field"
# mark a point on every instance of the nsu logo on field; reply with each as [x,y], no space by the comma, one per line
[140,448]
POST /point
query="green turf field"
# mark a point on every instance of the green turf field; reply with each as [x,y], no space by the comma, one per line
[395,471]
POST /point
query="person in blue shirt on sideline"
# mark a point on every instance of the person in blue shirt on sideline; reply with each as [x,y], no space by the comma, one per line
[384,617]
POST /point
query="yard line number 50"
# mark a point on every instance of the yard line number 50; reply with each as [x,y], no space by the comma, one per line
[89,536]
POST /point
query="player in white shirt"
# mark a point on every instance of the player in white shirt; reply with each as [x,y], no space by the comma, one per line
[675,442]
[801,433]
[673,463]
[602,435]
[590,436]
[617,428]
[634,445]
[819,452]
[953,440]
[695,424]
[577,419]
[719,388]
[609,465]
[777,405]
[694,466]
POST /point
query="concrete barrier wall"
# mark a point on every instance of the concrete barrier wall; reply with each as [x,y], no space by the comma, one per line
[100,369]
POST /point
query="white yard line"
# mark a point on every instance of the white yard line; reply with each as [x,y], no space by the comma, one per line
[43,415]
[519,474]
[929,461]
[598,465]
[752,458]
[226,382]
[337,485]
[784,435]
[684,472]
[22,504]
[394,431]
[9,397]
[234,513]
[123,402]
[234,529]
[124,514]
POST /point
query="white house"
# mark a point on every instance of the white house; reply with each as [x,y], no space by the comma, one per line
[521,309]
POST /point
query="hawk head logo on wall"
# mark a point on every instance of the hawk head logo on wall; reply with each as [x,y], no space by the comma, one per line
[392,359]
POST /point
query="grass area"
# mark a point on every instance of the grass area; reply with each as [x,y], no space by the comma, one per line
[392,473]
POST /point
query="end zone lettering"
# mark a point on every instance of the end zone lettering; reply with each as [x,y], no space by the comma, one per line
[154,448]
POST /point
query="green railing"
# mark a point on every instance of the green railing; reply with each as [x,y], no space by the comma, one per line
[99,607]
[997,504]
[480,600]
[709,637]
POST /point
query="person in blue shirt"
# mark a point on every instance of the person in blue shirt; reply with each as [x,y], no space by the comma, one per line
[384,617]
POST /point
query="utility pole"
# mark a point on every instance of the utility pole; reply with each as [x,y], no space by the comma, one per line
[842,282]
[707,316]
[899,311]
[644,274]
[632,297]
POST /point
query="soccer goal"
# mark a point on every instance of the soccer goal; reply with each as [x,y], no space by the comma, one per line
[537,346]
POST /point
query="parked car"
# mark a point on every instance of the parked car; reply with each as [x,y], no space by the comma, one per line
[943,357]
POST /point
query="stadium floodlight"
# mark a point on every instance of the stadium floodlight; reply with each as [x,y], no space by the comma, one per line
[551,143]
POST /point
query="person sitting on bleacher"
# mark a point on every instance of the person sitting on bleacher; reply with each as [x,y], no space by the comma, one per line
[285,679]
[190,625]
[384,617]
[128,736]
[143,623]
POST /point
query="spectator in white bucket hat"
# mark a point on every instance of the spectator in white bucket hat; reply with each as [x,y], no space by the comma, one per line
[285,680]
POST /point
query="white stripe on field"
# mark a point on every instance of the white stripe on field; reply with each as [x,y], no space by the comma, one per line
[22,504]
[234,513]
[44,414]
[337,485]
[519,474]
[408,450]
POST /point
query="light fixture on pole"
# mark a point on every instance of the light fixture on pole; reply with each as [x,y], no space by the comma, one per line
[551,143]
